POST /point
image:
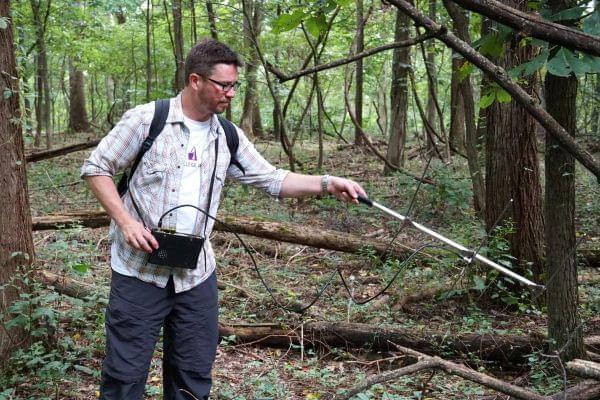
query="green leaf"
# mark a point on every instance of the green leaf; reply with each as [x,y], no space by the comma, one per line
[503,96]
[3,22]
[464,71]
[577,65]
[81,267]
[479,283]
[568,14]
[7,93]
[591,24]
[287,22]
[516,71]
[559,65]
[316,24]
[491,45]
[487,99]
[592,64]
[536,63]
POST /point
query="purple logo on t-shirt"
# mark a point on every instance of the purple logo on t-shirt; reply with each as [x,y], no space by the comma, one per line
[192,154]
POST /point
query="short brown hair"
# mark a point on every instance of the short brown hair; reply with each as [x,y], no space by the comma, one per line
[205,54]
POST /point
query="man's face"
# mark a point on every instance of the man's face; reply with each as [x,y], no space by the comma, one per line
[215,92]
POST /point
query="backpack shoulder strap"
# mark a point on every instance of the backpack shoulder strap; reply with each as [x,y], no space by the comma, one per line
[233,141]
[161,111]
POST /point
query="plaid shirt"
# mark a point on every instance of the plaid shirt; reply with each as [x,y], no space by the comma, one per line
[155,183]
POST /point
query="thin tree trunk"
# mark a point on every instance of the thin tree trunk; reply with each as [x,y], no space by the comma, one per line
[212,21]
[194,38]
[149,9]
[398,95]
[78,120]
[457,108]
[178,41]
[251,30]
[431,83]
[564,328]
[16,243]
[461,26]
[358,94]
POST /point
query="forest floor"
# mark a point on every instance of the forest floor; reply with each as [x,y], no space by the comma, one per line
[68,339]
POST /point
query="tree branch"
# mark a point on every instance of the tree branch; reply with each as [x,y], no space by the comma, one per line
[405,43]
[534,25]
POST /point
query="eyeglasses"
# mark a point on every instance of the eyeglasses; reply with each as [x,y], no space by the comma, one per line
[226,87]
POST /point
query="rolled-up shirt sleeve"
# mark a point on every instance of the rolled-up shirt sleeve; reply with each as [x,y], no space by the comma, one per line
[117,150]
[258,171]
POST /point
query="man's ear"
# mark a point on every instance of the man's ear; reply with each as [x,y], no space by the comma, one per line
[194,80]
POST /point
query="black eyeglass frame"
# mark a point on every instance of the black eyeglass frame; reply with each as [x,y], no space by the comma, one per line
[225,87]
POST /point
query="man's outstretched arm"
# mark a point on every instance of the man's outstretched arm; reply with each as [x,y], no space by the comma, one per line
[298,185]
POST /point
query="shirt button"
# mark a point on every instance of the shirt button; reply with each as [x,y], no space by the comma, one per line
[181,144]
[179,166]
[173,190]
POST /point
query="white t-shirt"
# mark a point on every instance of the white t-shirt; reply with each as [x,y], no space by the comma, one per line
[189,191]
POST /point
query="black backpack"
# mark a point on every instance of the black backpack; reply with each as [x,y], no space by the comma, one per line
[158,123]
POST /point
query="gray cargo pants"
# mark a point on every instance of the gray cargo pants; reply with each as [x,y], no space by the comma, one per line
[135,314]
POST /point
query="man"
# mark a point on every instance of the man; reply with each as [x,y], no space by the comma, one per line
[187,164]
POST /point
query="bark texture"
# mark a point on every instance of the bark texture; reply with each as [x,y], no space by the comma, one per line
[16,244]
[251,121]
[398,95]
[78,119]
[512,167]
[563,320]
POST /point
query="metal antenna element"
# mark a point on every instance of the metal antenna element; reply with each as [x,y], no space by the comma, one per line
[466,254]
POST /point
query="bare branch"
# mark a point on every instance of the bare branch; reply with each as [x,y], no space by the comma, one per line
[405,43]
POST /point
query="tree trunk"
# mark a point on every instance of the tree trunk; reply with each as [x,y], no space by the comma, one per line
[461,26]
[457,108]
[512,169]
[563,320]
[178,39]
[358,94]
[194,34]
[251,108]
[399,95]
[16,243]
[212,21]
[78,120]
[432,87]
[43,89]
[149,9]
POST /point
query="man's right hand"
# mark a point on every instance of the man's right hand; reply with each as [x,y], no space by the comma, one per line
[134,232]
[138,236]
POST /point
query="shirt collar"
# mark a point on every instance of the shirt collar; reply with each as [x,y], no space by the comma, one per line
[176,115]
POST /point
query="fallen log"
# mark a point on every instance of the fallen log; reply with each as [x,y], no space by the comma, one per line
[65,285]
[584,368]
[68,286]
[429,362]
[281,231]
[585,390]
[512,348]
[44,155]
